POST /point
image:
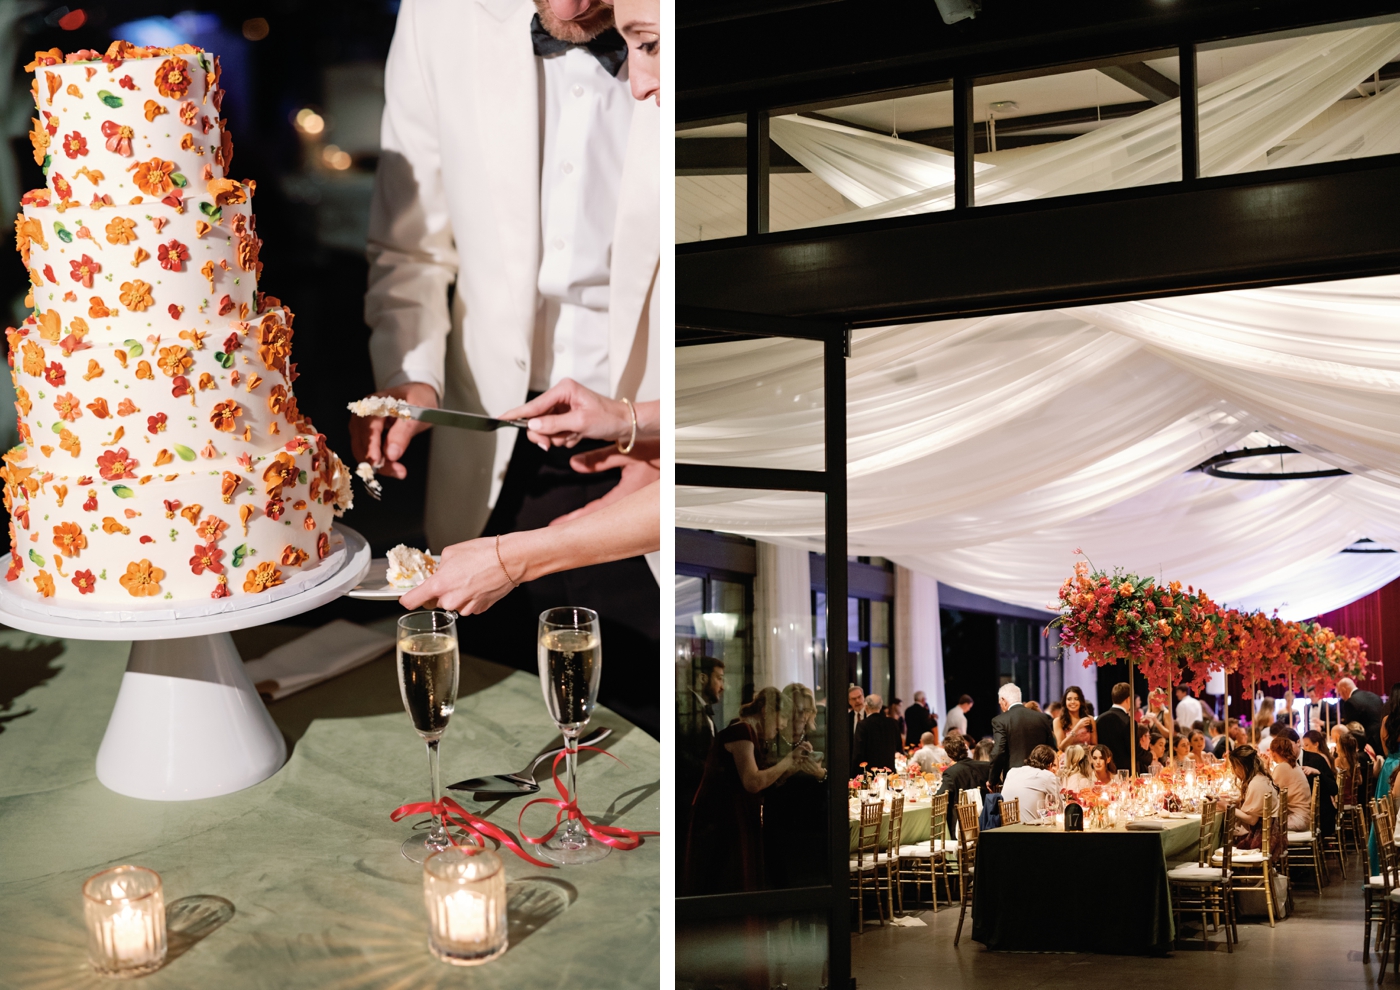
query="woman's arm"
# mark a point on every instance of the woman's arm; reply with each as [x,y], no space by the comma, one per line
[753,778]
[471,579]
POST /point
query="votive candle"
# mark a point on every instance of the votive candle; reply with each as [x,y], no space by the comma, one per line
[464,889]
[124,908]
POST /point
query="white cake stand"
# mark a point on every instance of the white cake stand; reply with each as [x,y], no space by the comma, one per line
[188,723]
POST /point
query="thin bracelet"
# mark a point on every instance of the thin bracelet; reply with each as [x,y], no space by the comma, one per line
[632,440]
[503,563]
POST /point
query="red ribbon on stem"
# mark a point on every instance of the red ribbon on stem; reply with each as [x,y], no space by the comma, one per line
[618,838]
[453,813]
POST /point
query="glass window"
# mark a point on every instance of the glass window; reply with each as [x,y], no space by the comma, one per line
[755,403]
[1300,98]
[739,953]
[1066,131]
[751,706]
[711,181]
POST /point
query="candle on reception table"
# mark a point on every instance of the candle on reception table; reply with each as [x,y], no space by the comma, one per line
[124,908]
[464,888]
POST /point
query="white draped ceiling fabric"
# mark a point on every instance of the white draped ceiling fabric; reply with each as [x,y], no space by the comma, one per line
[984,452]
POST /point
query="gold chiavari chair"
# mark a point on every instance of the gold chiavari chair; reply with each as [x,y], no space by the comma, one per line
[1255,867]
[918,861]
[968,836]
[1011,811]
[865,864]
[1305,847]
[1206,888]
[1389,901]
[1378,885]
[1351,817]
[893,836]
[1332,844]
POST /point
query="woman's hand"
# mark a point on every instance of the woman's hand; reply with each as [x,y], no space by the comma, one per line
[468,579]
[569,412]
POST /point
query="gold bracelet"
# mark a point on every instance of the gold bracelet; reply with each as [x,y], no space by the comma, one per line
[632,440]
[503,563]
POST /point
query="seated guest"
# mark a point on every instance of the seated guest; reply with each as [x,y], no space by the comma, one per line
[1033,784]
[1157,752]
[1255,785]
[1315,759]
[964,774]
[1144,733]
[1197,746]
[1287,777]
[878,737]
[929,756]
[1079,771]
[1101,763]
[1182,749]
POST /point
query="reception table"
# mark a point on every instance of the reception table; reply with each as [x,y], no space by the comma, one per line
[297,882]
[917,820]
[1121,874]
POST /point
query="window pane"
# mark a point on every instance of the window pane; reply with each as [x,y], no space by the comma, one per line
[1075,131]
[1301,99]
[711,182]
[741,953]
[753,403]
[750,697]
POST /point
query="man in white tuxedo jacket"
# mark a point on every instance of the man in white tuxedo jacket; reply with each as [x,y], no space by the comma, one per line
[514,242]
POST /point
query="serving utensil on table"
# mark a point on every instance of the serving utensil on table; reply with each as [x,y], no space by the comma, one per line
[521,782]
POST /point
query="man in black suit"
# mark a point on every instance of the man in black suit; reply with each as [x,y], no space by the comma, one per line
[1364,707]
[1017,731]
[917,719]
[964,774]
[878,737]
[1115,727]
[855,713]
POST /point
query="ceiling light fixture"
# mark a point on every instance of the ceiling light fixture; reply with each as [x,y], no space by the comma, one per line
[1215,466]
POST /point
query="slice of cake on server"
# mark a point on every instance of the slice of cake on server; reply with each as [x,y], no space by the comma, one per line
[162,456]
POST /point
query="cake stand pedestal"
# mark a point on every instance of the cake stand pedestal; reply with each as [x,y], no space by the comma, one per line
[188,722]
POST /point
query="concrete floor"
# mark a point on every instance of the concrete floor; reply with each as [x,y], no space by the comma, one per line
[1317,948]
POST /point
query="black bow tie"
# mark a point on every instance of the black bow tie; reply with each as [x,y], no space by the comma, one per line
[608,48]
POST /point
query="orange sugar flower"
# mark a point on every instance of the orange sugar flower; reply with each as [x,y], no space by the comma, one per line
[84,582]
[173,78]
[153,177]
[69,407]
[43,583]
[265,576]
[224,415]
[142,579]
[174,360]
[69,538]
[136,295]
[293,556]
[211,529]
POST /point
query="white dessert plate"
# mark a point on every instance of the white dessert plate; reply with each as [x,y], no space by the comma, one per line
[375,586]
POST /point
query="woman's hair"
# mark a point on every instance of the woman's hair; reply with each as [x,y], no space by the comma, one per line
[1033,705]
[798,698]
[1391,725]
[1107,754]
[955,747]
[1196,734]
[1285,749]
[1316,738]
[1246,757]
[764,706]
[1084,707]
[1041,757]
[1347,750]
[1077,761]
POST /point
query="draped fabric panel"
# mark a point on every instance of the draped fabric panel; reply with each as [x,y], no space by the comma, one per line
[782,617]
[918,639]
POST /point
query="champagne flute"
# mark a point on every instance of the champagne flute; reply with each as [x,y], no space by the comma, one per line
[427,667]
[571,660]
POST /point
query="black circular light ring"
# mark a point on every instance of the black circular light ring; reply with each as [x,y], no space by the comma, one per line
[1212,466]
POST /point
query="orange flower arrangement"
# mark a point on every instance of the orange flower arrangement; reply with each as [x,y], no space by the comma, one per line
[43,583]
[224,415]
[173,78]
[174,360]
[153,177]
[136,295]
[142,579]
[69,538]
[265,576]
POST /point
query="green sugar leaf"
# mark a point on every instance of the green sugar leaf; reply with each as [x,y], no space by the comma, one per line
[108,98]
[133,348]
[121,491]
[301,478]
[62,232]
[35,556]
[179,180]
[183,452]
[226,360]
[58,427]
[239,553]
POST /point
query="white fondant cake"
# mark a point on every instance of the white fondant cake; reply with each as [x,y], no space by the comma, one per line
[162,455]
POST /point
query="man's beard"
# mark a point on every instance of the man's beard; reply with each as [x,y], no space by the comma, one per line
[577,32]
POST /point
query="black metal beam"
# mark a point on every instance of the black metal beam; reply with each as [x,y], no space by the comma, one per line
[705,318]
[964,144]
[763,479]
[727,156]
[841,50]
[1144,80]
[1190,115]
[1293,225]
[757,171]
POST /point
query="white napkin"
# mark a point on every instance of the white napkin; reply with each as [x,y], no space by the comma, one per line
[319,655]
[1148,825]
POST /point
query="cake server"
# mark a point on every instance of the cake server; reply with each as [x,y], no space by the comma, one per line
[462,420]
[522,781]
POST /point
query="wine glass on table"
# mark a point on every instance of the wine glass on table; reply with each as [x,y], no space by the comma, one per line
[427,667]
[571,660]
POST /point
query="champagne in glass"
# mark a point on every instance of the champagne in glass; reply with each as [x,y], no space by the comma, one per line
[427,669]
[571,660]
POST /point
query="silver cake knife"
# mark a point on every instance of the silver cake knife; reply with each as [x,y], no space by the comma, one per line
[461,420]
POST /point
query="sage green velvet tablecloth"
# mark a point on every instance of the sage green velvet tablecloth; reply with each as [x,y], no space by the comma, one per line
[917,822]
[308,859]
[1126,873]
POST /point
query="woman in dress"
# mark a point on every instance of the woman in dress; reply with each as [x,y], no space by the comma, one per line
[1255,786]
[1101,763]
[1182,750]
[793,846]
[1079,771]
[1288,777]
[1314,758]
[724,851]
[1199,753]
[1075,726]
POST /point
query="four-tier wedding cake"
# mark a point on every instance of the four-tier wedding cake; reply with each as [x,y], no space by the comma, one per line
[162,456]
